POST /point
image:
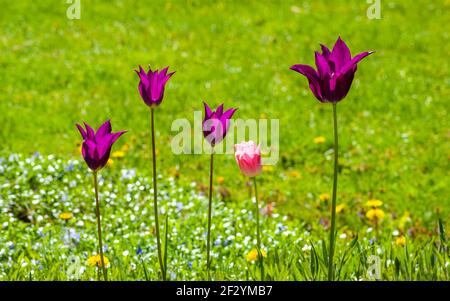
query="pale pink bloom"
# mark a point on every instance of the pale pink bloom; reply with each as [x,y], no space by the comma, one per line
[248,158]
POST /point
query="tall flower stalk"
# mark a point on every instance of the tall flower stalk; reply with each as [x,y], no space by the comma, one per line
[248,158]
[258,231]
[151,88]
[155,198]
[215,126]
[333,197]
[99,227]
[330,84]
[208,239]
[96,149]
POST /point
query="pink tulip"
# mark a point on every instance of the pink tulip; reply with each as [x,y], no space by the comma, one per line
[248,158]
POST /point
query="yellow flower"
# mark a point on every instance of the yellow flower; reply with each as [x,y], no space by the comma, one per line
[253,255]
[110,162]
[125,147]
[118,154]
[405,219]
[66,216]
[267,168]
[400,241]
[97,261]
[294,174]
[220,180]
[319,140]
[340,208]
[375,214]
[374,203]
[324,197]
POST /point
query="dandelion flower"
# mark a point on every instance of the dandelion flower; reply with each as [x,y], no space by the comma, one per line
[319,140]
[324,197]
[294,174]
[267,168]
[340,208]
[118,154]
[374,203]
[97,261]
[400,241]
[66,216]
[253,255]
[375,214]
[220,180]
[110,162]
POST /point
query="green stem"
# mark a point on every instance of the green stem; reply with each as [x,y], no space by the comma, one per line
[258,232]
[333,204]
[155,198]
[208,241]
[99,227]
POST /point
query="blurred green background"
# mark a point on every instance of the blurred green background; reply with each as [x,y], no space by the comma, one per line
[394,129]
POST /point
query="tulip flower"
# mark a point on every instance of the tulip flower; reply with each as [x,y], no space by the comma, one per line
[215,127]
[335,71]
[331,83]
[96,148]
[248,158]
[216,123]
[152,84]
[151,88]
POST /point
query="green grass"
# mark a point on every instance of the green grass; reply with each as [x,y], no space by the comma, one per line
[394,129]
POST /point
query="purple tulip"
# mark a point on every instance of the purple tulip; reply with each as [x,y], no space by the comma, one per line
[216,123]
[152,84]
[97,146]
[335,71]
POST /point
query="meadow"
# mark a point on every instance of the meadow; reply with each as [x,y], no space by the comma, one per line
[393,127]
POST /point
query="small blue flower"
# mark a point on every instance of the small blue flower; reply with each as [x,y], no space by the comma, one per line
[70,167]
[190,264]
[139,251]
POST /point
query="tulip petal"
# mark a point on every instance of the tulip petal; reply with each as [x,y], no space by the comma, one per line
[90,131]
[340,54]
[208,111]
[167,77]
[104,129]
[82,131]
[228,114]
[117,136]
[322,65]
[313,78]
[352,63]
[325,51]
[219,110]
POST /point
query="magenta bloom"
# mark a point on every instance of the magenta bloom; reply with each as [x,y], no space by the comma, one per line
[97,146]
[248,158]
[152,84]
[335,71]
[216,123]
